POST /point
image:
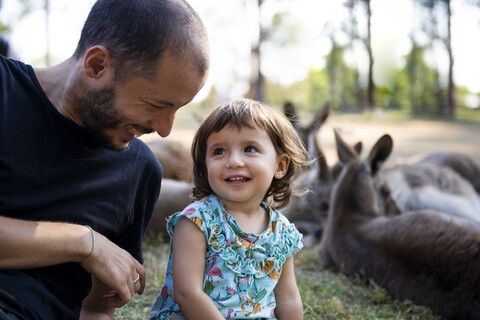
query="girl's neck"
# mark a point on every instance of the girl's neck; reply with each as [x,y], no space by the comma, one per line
[253,220]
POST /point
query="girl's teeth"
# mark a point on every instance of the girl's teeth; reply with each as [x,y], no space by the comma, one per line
[238,179]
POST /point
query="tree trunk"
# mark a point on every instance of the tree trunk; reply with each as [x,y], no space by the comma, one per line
[448,45]
[256,78]
[371,86]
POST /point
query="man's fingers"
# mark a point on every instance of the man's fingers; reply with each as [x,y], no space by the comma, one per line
[118,270]
[142,273]
[113,299]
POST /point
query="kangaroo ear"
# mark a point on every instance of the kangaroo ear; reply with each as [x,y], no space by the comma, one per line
[380,152]
[290,111]
[358,147]
[323,169]
[345,152]
[320,117]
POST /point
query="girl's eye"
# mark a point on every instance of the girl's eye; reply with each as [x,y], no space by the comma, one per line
[218,151]
[250,149]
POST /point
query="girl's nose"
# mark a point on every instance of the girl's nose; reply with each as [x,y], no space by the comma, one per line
[235,160]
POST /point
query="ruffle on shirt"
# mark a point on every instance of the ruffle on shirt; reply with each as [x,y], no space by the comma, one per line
[260,259]
[246,254]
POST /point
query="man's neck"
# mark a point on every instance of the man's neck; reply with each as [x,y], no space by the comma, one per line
[57,82]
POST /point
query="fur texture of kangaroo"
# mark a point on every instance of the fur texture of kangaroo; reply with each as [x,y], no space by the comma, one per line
[458,162]
[426,256]
[309,212]
[174,196]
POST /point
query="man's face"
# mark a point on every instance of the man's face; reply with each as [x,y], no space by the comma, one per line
[122,111]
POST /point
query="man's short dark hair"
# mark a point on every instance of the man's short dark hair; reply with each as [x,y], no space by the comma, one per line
[138,32]
[4,46]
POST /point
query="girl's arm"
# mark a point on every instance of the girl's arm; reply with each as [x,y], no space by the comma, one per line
[289,302]
[188,267]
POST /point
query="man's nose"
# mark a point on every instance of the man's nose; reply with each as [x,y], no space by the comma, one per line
[163,125]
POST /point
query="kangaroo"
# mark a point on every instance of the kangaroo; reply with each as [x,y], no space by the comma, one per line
[458,162]
[174,196]
[426,256]
[432,181]
[175,158]
[309,211]
[426,186]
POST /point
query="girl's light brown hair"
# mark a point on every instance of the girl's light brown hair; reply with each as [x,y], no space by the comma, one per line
[256,115]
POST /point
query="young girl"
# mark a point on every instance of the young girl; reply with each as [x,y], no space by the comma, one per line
[231,253]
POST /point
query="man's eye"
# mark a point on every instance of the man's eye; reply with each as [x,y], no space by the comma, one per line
[158,106]
[250,149]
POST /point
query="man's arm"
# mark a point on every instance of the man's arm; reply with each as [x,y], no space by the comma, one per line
[29,244]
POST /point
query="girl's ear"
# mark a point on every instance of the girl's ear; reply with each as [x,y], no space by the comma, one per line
[282,166]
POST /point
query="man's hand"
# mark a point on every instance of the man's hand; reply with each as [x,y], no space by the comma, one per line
[117,270]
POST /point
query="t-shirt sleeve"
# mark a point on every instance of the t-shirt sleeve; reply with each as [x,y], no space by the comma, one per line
[195,212]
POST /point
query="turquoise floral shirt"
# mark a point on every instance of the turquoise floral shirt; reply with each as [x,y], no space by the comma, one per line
[241,269]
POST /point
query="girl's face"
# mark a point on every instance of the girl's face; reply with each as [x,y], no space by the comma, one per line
[241,164]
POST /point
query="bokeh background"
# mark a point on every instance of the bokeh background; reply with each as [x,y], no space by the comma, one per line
[405,67]
[420,57]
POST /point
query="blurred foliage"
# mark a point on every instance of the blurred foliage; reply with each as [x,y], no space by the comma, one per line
[417,88]
[424,89]
[26,6]
[3,27]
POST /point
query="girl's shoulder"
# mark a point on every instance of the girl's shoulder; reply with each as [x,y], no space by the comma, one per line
[203,213]
[280,221]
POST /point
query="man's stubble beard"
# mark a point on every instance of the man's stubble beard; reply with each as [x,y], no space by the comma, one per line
[98,113]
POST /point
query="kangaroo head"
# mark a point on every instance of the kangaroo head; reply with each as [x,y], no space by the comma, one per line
[309,132]
[354,192]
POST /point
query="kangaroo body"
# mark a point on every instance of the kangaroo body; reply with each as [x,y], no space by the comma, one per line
[426,256]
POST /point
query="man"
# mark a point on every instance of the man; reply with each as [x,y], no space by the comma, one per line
[77,190]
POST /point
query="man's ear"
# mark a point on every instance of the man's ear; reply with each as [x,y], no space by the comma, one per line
[282,166]
[97,63]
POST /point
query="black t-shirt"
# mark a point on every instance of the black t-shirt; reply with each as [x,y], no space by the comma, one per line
[51,170]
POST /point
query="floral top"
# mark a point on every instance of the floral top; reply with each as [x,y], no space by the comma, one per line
[241,269]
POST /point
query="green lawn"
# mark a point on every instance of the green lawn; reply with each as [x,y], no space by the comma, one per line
[325,294]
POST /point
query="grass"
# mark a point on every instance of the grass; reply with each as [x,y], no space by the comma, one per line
[325,294]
